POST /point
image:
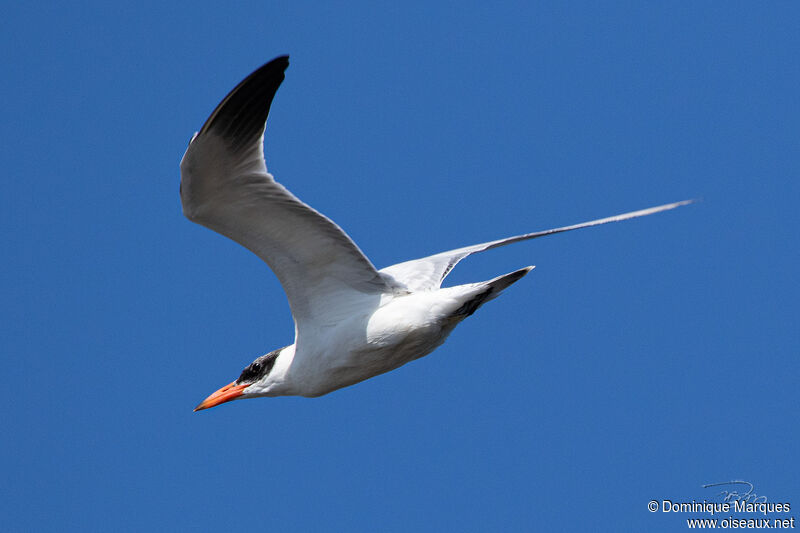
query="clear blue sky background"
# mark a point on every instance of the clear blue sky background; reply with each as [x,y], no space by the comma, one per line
[638,361]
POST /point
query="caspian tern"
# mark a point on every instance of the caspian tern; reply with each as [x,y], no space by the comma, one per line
[352,321]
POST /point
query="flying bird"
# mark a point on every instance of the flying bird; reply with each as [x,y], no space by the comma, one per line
[352,321]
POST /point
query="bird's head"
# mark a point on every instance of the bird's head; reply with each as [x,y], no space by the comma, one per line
[255,380]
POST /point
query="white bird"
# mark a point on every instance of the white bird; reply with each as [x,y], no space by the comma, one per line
[352,321]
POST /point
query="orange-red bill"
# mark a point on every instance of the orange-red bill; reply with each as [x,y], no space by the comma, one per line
[225,394]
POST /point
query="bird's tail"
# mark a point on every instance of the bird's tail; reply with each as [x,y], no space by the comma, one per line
[488,290]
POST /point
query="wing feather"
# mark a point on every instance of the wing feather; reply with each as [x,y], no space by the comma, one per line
[225,186]
[428,273]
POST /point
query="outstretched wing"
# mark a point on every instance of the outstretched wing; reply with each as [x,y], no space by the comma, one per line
[225,186]
[428,273]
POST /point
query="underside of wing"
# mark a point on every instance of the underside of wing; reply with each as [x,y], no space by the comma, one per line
[428,273]
[225,186]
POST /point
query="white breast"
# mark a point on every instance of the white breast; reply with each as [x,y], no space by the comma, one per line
[400,330]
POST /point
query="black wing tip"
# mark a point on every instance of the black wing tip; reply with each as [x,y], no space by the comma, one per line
[243,112]
[281,60]
[276,66]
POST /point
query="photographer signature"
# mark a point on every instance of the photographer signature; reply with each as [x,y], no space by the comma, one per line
[733,495]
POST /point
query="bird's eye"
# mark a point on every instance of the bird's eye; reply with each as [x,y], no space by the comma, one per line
[256,367]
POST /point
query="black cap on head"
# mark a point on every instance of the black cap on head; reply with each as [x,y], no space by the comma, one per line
[259,368]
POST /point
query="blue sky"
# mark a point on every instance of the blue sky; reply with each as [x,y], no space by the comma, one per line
[638,361]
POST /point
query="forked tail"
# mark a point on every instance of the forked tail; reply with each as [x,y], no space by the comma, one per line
[489,290]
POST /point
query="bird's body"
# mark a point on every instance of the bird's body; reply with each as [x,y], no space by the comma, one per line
[374,340]
[352,321]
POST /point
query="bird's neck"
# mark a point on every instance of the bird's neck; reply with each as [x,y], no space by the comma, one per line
[280,381]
